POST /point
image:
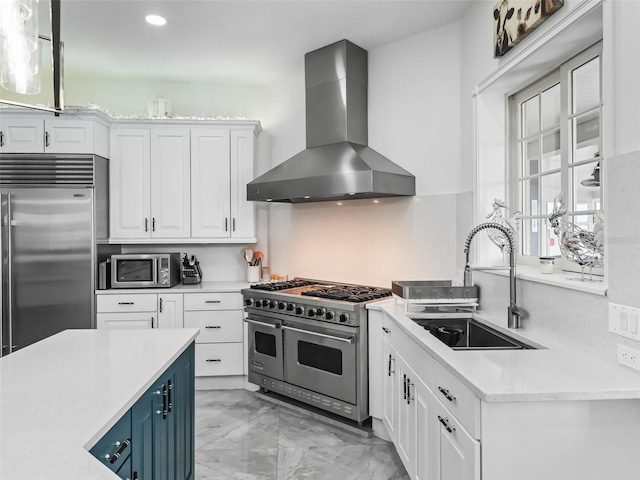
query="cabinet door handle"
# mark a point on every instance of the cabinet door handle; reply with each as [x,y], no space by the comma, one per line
[386,330]
[160,307]
[153,224]
[445,422]
[212,326]
[409,398]
[447,394]
[121,448]
[125,303]
[404,386]
[152,322]
[212,301]
[164,402]
[226,224]
[46,139]
[389,371]
[213,360]
[1,139]
[233,224]
[170,399]
[146,224]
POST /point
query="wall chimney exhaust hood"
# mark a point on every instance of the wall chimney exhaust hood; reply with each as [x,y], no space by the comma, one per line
[337,163]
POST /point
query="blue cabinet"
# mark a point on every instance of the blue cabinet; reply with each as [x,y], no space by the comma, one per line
[114,449]
[160,428]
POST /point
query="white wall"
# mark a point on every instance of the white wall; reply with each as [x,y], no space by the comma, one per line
[414,119]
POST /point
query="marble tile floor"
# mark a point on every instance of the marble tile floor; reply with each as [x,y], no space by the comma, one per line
[241,436]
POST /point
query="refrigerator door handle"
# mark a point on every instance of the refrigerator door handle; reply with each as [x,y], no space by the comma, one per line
[6,321]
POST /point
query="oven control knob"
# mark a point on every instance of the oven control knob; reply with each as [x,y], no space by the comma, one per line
[273,304]
[258,303]
[248,302]
[311,312]
[330,315]
[282,305]
[299,310]
[291,307]
[344,318]
[320,312]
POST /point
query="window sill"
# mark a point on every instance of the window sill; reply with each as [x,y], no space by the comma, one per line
[569,280]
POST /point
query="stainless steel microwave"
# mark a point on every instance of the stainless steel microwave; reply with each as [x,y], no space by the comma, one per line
[137,270]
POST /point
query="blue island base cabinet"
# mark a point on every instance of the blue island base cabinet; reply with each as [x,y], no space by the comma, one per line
[154,440]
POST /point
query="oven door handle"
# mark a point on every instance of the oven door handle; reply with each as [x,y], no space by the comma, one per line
[262,324]
[323,335]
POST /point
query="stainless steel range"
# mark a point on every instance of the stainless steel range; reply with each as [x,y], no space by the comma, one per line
[308,341]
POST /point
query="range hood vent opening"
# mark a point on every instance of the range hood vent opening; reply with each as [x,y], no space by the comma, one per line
[337,163]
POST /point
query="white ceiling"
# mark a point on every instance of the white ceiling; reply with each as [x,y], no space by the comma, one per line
[248,41]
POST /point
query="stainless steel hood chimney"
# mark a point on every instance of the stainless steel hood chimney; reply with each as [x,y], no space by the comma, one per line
[337,163]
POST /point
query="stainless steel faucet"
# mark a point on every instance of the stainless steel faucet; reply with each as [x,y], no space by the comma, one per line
[513,311]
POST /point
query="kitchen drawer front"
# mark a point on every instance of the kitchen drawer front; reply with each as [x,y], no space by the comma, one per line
[213,301]
[457,398]
[127,303]
[217,359]
[222,326]
[127,320]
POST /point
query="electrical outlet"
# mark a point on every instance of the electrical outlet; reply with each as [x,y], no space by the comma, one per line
[624,321]
[629,357]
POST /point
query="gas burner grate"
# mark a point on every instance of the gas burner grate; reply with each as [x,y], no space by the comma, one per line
[276,286]
[348,293]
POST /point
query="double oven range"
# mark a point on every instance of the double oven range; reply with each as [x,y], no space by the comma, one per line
[308,341]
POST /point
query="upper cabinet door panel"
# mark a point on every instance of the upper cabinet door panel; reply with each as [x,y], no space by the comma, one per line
[22,135]
[242,160]
[68,136]
[170,179]
[210,189]
[129,176]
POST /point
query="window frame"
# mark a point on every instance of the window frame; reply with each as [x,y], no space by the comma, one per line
[561,75]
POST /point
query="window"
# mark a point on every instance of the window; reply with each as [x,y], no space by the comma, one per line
[555,147]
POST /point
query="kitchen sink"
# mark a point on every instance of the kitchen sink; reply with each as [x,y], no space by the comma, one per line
[469,334]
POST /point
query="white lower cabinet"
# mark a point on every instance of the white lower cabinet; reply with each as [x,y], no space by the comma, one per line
[127,311]
[219,347]
[457,453]
[170,310]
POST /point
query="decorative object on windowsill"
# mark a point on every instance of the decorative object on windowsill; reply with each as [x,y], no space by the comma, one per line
[578,245]
[513,20]
[502,215]
[594,179]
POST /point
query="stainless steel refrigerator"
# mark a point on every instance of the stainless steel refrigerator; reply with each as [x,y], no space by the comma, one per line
[53,215]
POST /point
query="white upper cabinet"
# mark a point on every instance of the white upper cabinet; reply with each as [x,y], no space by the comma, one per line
[150,179]
[184,183]
[34,134]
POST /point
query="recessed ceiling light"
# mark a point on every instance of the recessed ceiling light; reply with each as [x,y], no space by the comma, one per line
[156,20]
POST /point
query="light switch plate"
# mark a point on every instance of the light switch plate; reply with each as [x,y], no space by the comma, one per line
[624,321]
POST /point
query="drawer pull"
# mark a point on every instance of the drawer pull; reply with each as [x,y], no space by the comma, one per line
[213,360]
[386,330]
[121,448]
[125,303]
[445,422]
[212,326]
[447,394]
[404,386]
[389,371]
[212,301]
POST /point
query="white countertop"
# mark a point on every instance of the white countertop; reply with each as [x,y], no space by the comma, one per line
[202,287]
[59,396]
[554,372]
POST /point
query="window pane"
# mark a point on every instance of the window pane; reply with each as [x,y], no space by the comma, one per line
[585,180]
[550,243]
[551,107]
[586,86]
[531,116]
[530,196]
[586,134]
[530,153]
[551,149]
[551,186]
[529,237]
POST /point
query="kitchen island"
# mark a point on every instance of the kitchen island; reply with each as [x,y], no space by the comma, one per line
[550,412]
[59,396]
